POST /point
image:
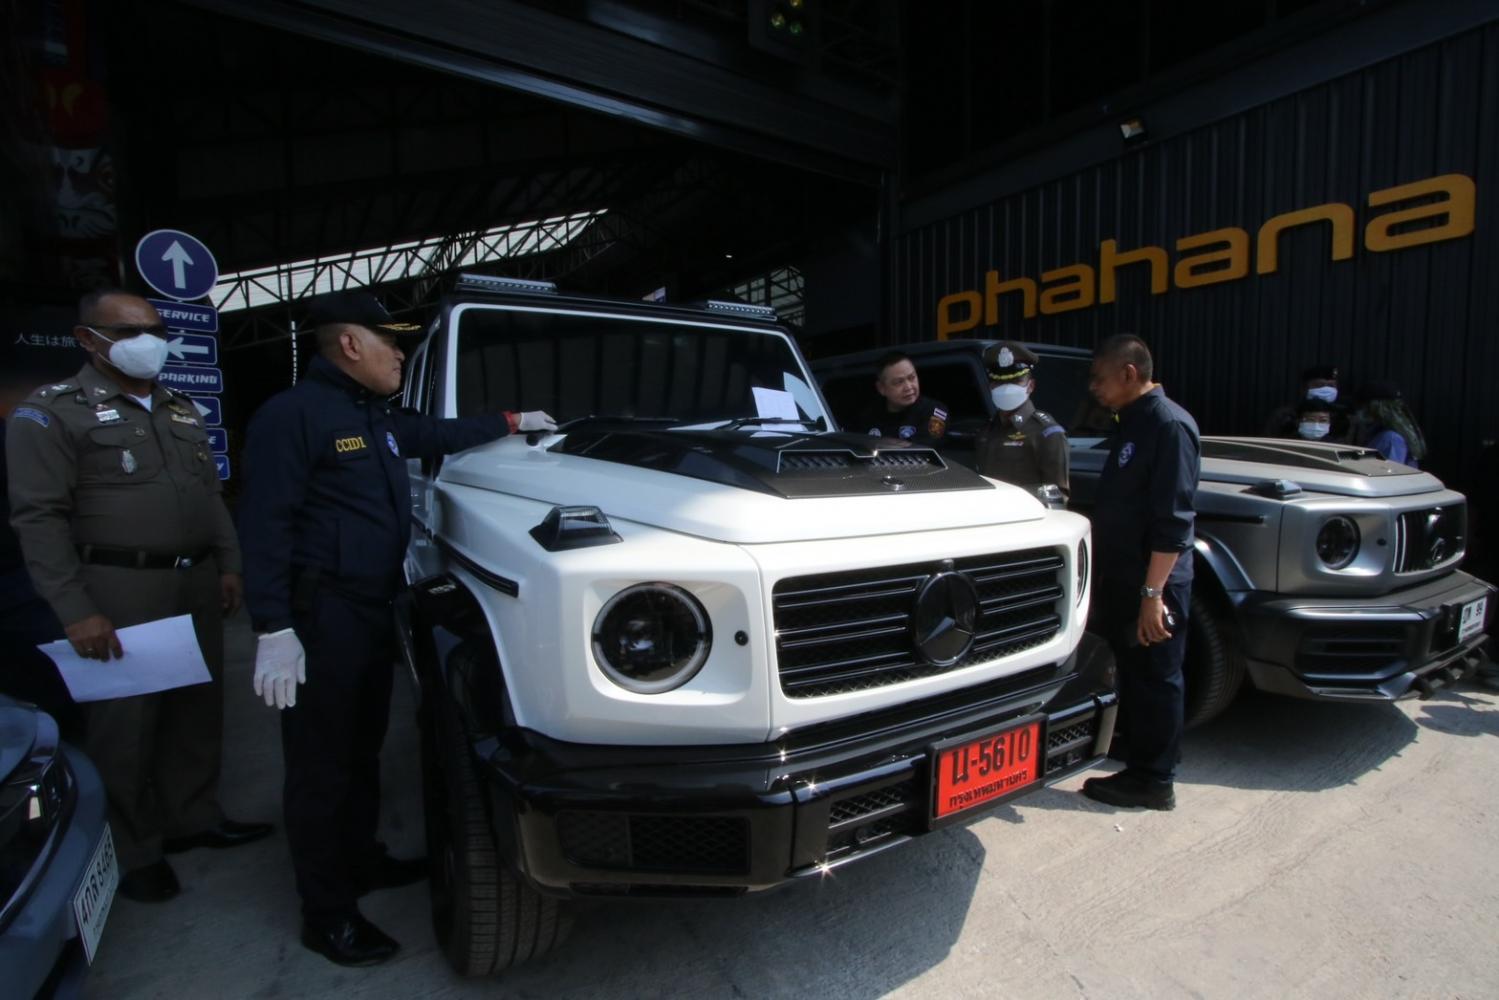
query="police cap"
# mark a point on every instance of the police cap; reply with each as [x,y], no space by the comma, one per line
[1008,361]
[357,308]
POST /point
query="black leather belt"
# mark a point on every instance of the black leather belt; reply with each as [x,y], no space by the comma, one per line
[135,559]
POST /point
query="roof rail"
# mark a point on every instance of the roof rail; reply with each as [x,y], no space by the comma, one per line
[498,283]
[742,309]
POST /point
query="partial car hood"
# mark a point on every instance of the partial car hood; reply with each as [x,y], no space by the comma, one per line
[17,734]
[743,487]
[1335,469]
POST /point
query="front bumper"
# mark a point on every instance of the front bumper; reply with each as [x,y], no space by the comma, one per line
[40,950]
[673,821]
[1397,646]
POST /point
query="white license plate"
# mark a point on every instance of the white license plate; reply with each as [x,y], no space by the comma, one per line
[96,892]
[1471,622]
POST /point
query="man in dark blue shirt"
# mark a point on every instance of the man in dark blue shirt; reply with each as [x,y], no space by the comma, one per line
[1142,542]
[325,518]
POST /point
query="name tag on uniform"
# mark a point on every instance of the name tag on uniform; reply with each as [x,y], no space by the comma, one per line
[350,444]
[108,416]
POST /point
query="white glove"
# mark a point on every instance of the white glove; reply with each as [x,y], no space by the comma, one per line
[280,665]
[535,420]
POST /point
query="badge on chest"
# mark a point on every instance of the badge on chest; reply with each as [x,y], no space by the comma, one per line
[350,445]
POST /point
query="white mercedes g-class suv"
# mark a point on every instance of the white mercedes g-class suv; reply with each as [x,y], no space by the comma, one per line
[697,642]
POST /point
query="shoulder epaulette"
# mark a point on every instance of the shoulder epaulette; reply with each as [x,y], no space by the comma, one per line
[48,391]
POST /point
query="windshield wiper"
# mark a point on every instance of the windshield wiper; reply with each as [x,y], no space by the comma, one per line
[606,418]
[817,425]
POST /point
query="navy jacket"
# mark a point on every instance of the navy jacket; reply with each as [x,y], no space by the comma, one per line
[326,488]
[1145,495]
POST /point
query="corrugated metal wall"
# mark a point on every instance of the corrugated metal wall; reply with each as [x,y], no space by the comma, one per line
[1427,317]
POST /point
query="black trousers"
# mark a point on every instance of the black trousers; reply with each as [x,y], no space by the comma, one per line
[331,743]
[1151,691]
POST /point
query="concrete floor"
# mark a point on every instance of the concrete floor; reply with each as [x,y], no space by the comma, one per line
[1317,850]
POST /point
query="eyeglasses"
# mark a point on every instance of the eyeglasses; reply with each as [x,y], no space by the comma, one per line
[132,330]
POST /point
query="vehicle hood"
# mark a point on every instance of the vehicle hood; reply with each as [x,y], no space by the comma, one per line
[744,487]
[17,734]
[1334,469]
[1338,469]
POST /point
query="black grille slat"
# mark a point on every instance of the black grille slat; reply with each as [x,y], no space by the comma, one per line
[849,631]
[1009,602]
[799,636]
[851,667]
[850,591]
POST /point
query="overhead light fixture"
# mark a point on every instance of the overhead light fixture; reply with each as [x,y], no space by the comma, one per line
[728,256]
[1132,129]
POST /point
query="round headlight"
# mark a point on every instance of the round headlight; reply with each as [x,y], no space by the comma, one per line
[1337,542]
[652,637]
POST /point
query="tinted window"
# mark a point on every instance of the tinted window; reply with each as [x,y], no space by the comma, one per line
[574,366]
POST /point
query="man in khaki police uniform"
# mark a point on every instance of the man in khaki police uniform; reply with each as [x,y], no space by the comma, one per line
[1021,444]
[117,504]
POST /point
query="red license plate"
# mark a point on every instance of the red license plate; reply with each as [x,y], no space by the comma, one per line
[975,772]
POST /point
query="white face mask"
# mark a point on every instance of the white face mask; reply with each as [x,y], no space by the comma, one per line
[1313,429]
[141,356]
[1008,397]
[1326,393]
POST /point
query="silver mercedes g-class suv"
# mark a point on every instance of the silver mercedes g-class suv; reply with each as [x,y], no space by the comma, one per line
[1323,570]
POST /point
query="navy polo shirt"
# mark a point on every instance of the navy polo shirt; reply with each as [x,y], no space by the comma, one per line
[326,488]
[1146,493]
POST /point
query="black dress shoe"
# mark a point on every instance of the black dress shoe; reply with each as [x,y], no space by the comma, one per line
[153,883]
[1130,790]
[349,940]
[227,834]
[392,873]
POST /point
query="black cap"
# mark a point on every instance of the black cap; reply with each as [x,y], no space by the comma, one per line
[1008,361]
[1328,372]
[358,308]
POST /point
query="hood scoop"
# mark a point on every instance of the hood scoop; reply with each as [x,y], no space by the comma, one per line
[907,460]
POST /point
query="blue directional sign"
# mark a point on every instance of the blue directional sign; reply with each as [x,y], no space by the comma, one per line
[191,349]
[185,378]
[209,410]
[184,316]
[177,265]
[218,440]
[222,463]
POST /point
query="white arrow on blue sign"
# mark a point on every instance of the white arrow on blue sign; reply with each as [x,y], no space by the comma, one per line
[185,378]
[209,410]
[177,265]
[218,440]
[192,349]
[184,316]
[221,462]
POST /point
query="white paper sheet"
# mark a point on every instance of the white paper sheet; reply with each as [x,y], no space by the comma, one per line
[158,655]
[776,403]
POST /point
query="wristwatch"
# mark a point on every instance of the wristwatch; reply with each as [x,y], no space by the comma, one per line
[1149,591]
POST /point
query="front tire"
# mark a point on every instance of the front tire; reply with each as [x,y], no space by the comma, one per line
[486,917]
[1213,666]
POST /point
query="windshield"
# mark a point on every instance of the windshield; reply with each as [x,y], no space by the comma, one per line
[576,365]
